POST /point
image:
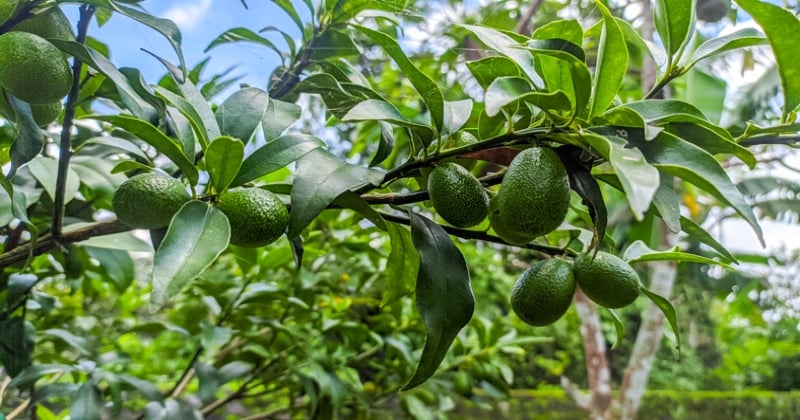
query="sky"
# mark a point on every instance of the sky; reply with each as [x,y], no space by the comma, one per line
[200,22]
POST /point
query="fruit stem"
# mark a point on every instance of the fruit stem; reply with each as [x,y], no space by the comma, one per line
[65,152]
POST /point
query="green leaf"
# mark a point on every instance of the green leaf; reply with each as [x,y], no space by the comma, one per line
[780,26]
[29,139]
[275,155]
[379,110]
[569,30]
[197,235]
[639,179]
[156,138]
[659,109]
[669,312]
[279,116]
[712,139]
[118,265]
[696,166]
[444,295]
[242,35]
[402,265]
[385,144]
[639,252]
[619,327]
[697,233]
[196,109]
[564,71]
[78,343]
[288,7]
[354,202]
[45,170]
[33,373]
[456,114]
[16,347]
[242,112]
[487,69]
[333,44]
[507,47]
[612,63]
[6,206]
[146,388]
[427,88]
[582,182]
[320,178]
[743,38]
[507,90]
[87,403]
[666,202]
[142,107]
[223,159]
[674,21]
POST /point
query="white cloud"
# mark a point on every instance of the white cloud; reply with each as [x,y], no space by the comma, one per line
[188,15]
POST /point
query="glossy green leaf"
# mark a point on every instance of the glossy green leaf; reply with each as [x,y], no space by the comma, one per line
[240,115]
[332,44]
[697,233]
[487,69]
[141,107]
[197,111]
[379,110]
[612,63]
[165,27]
[674,21]
[197,235]
[87,403]
[564,71]
[223,159]
[156,138]
[743,38]
[280,115]
[45,170]
[288,7]
[667,203]
[705,91]
[443,292]
[6,215]
[117,143]
[427,88]
[118,265]
[619,328]
[275,155]
[385,144]
[669,312]
[712,139]
[780,26]
[29,139]
[402,265]
[240,34]
[507,47]
[353,201]
[639,252]
[569,30]
[658,109]
[639,178]
[456,114]
[507,90]
[696,166]
[337,98]
[320,178]
[16,347]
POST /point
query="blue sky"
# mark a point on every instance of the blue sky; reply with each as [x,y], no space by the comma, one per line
[200,21]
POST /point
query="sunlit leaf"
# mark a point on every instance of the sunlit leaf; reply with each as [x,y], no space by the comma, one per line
[223,159]
[612,63]
[275,155]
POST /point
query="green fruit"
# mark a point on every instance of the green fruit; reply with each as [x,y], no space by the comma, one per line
[148,201]
[606,279]
[457,195]
[258,217]
[534,195]
[498,223]
[33,69]
[463,383]
[544,292]
[52,23]
[43,114]
[7,9]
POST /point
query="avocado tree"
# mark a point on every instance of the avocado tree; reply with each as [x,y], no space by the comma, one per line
[518,146]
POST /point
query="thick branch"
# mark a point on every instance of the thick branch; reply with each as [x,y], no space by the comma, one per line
[594,348]
[49,242]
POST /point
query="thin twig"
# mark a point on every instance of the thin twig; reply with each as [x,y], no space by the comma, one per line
[524,23]
[65,150]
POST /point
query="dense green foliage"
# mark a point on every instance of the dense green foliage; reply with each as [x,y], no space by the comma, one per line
[357,301]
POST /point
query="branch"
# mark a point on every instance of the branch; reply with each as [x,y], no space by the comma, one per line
[49,242]
[784,140]
[65,152]
[594,348]
[524,23]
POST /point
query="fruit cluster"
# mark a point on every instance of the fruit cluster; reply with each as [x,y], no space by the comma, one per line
[533,200]
[32,69]
[149,201]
